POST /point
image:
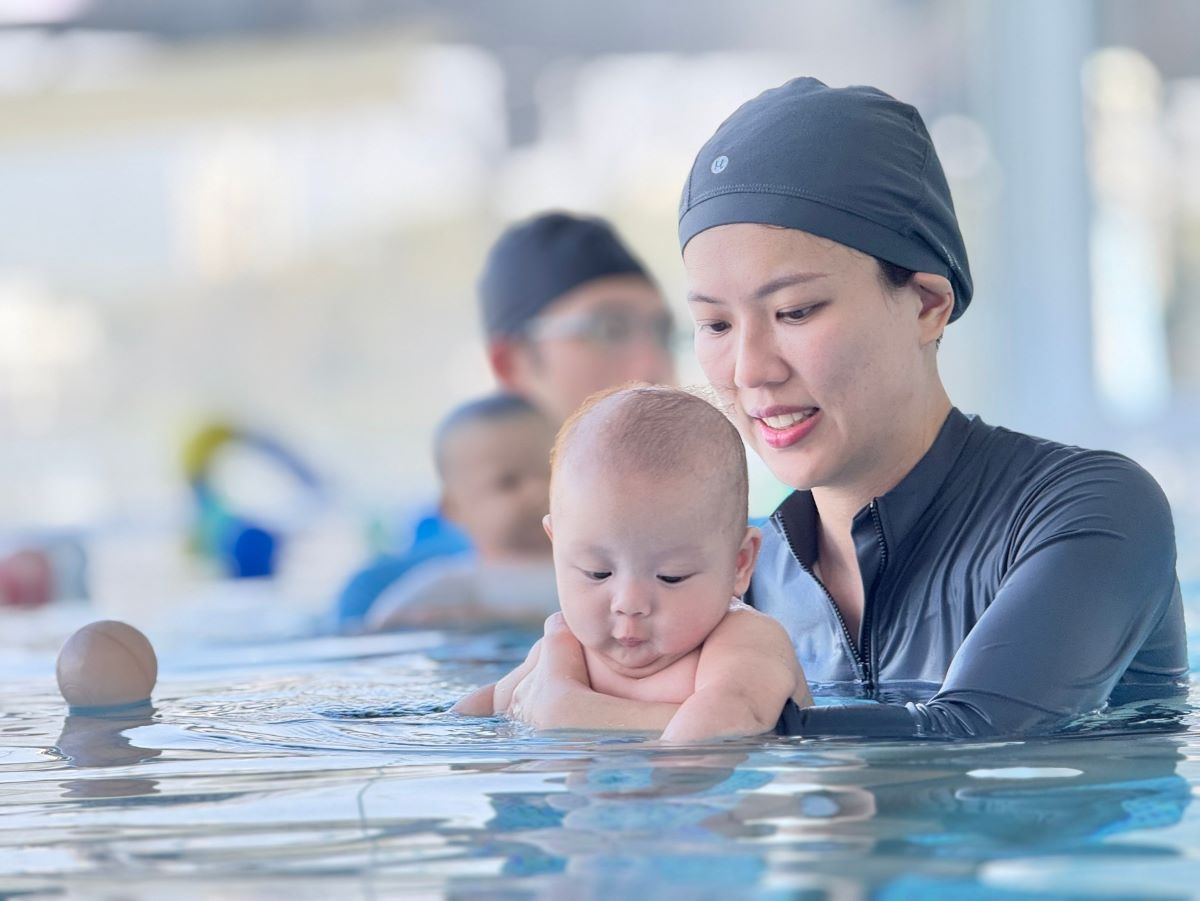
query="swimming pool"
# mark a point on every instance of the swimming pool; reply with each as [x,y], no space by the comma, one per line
[329,768]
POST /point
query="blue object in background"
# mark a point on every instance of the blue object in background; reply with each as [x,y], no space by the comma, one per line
[250,552]
[244,549]
[434,537]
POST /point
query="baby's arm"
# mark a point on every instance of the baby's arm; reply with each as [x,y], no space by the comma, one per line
[746,673]
[490,700]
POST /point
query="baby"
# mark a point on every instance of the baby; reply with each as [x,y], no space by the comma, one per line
[648,509]
[492,457]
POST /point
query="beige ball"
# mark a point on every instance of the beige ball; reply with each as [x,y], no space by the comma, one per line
[106,664]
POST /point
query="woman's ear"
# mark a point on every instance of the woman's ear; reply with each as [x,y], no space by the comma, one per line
[547,527]
[747,556]
[937,303]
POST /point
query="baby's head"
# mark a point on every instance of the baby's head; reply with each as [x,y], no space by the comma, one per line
[648,508]
[493,459]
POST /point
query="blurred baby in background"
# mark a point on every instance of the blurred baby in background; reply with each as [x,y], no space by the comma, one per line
[493,460]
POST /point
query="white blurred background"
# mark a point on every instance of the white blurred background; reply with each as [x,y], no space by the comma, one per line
[274,213]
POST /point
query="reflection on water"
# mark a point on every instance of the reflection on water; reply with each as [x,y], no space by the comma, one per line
[103,741]
[339,772]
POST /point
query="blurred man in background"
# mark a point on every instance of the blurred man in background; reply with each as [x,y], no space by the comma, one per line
[568,311]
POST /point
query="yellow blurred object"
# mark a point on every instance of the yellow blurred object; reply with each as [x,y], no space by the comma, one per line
[198,450]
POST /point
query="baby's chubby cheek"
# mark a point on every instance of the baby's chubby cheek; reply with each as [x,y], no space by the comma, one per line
[581,625]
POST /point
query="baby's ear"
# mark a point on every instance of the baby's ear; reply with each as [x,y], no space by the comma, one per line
[546,526]
[747,556]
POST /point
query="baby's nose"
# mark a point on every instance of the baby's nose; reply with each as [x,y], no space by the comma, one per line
[633,599]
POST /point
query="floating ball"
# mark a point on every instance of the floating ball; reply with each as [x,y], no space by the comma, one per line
[106,664]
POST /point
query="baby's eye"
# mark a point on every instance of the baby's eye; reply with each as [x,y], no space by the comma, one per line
[597,575]
[673,580]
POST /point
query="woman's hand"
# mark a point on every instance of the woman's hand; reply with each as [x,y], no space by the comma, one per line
[542,698]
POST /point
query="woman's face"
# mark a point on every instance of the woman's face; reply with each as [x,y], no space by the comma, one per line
[822,367]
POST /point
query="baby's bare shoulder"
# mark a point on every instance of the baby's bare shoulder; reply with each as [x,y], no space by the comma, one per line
[743,622]
[746,645]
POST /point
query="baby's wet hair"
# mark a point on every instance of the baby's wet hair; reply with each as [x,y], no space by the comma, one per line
[661,432]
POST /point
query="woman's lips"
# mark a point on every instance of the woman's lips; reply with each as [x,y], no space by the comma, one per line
[631,642]
[783,428]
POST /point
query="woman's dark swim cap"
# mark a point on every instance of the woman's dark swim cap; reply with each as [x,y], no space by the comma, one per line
[850,164]
[538,260]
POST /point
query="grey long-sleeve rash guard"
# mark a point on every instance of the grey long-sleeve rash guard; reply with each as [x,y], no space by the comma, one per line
[1028,578]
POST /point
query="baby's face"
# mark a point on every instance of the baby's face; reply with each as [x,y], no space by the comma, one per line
[497,484]
[646,567]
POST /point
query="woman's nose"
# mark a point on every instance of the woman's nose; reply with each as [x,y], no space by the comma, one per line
[758,360]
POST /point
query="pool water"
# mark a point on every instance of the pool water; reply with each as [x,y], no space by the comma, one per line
[330,768]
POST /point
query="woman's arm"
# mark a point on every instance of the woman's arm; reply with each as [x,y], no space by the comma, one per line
[495,698]
[506,686]
[480,702]
[1094,576]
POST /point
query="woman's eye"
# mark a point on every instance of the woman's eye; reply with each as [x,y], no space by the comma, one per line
[714,328]
[798,315]
[672,580]
[597,575]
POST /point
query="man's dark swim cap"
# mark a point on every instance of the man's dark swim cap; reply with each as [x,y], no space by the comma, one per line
[537,261]
[850,164]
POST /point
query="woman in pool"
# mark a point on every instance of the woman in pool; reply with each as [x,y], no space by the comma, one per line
[1031,581]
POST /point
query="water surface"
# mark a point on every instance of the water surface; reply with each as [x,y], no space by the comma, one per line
[330,767]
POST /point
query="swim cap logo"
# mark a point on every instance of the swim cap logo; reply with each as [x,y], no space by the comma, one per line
[719,164]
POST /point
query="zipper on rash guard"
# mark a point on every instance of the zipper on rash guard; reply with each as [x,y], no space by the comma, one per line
[866,625]
[864,672]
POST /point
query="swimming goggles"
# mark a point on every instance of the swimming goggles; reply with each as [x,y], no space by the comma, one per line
[606,328]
